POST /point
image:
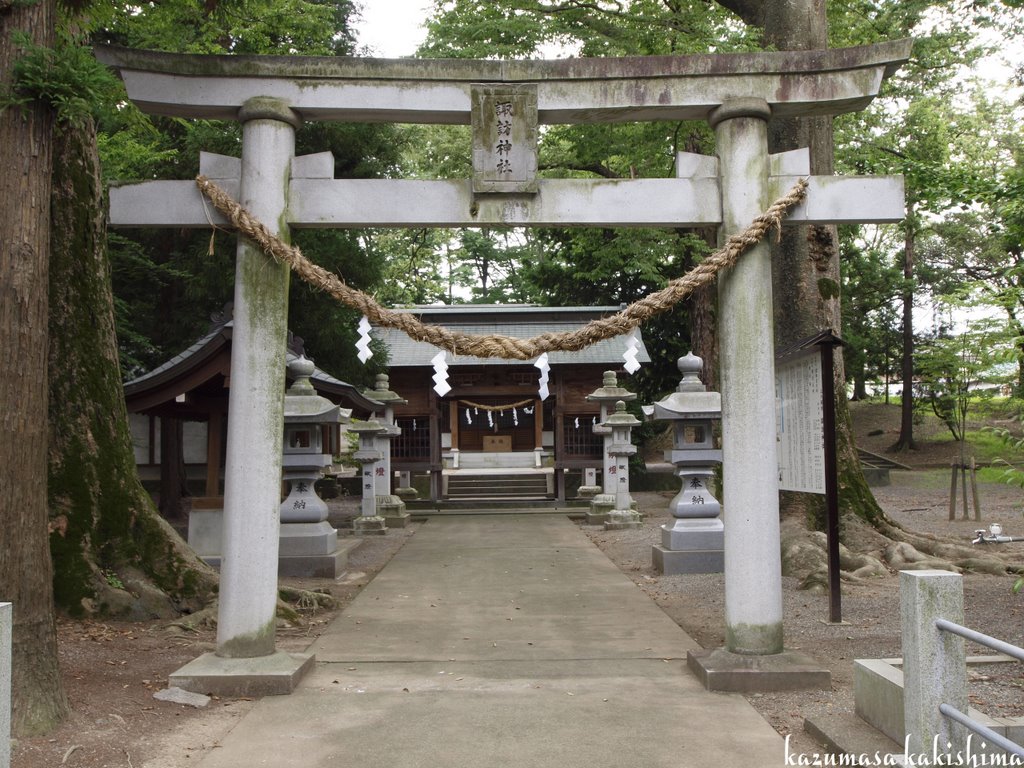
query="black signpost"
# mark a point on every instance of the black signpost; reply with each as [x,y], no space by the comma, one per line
[805,393]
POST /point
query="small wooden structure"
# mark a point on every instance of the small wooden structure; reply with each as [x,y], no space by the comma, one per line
[193,386]
[494,406]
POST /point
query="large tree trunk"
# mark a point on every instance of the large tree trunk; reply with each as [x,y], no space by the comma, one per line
[805,263]
[905,442]
[113,552]
[25,568]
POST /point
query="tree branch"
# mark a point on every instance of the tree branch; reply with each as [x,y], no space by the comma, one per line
[595,168]
[750,11]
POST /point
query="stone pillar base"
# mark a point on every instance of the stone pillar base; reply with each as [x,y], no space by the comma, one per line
[621,519]
[600,507]
[273,675]
[407,493]
[588,491]
[373,525]
[392,509]
[720,670]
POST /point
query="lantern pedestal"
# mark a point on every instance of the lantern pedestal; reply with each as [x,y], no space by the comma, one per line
[694,542]
[389,506]
[313,550]
[369,523]
[624,514]
[606,396]
[405,491]
[308,544]
[690,546]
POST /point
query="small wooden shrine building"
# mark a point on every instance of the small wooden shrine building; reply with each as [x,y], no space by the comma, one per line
[191,389]
[494,410]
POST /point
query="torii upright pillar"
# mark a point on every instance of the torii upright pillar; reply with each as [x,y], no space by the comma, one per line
[245,662]
[753,608]
[753,657]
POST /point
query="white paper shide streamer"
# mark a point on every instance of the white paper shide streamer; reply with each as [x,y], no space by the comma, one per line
[632,365]
[441,385]
[363,345]
[545,369]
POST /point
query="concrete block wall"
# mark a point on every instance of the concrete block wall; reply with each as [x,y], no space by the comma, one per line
[878,700]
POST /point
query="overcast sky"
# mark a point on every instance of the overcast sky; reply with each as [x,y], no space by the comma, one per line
[392,28]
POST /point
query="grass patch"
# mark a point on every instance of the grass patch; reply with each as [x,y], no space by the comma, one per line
[986,447]
[927,479]
[994,474]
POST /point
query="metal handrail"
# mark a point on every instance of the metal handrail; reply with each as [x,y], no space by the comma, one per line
[944,625]
[986,733]
[977,637]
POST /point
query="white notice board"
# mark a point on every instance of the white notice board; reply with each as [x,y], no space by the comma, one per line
[800,423]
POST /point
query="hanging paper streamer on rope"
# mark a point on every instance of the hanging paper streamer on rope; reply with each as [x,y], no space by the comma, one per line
[490,419]
[363,345]
[544,368]
[576,423]
[632,350]
[469,418]
[441,385]
[515,417]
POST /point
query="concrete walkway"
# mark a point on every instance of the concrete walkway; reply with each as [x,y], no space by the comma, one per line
[506,641]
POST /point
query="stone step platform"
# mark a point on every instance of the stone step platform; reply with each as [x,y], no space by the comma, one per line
[490,487]
[498,460]
[468,479]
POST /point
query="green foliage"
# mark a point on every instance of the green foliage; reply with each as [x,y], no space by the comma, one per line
[872,282]
[1009,465]
[952,370]
[168,283]
[67,78]
[521,28]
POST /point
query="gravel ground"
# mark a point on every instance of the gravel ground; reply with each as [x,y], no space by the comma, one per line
[919,501]
[111,669]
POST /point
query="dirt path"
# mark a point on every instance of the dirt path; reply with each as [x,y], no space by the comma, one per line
[112,669]
[919,501]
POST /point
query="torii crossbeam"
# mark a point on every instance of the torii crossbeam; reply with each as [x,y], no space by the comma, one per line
[504,102]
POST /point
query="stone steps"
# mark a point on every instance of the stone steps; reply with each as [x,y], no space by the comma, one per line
[465,485]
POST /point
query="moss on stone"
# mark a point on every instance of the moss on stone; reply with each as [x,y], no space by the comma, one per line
[828,289]
[758,639]
[251,645]
[101,518]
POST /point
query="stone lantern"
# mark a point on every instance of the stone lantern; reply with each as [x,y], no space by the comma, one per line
[368,523]
[694,541]
[389,506]
[621,426]
[309,545]
[607,395]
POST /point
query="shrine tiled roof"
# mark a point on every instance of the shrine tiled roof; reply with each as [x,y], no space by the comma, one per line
[515,320]
[170,373]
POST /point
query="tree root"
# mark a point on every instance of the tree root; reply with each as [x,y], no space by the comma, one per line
[879,552]
[294,606]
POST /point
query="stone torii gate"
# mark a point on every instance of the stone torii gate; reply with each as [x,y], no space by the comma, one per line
[505,102]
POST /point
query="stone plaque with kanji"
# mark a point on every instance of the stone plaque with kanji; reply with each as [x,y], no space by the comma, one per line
[504,120]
